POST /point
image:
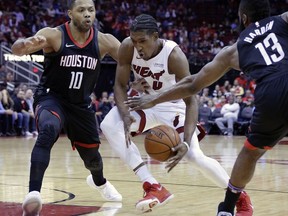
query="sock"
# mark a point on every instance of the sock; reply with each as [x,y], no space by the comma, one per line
[37,171]
[232,195]
[144,175]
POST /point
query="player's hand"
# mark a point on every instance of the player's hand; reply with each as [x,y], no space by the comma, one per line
[140,85]
[127,121]
[181,150]
[140,102]
[36,40]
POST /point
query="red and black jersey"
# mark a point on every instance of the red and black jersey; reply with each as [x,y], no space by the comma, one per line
[72,72]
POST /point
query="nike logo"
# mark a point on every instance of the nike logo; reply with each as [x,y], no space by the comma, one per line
[69,45]
[159,188]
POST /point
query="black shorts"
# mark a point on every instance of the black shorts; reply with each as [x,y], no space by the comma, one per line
[79,122]
[270,118]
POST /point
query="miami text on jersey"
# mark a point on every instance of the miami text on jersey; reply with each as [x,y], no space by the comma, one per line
[78,61]
[259,31]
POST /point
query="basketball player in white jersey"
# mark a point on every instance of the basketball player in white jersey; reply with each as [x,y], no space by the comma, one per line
[157,64]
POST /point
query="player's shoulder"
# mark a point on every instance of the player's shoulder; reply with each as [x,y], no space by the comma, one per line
[127,44]
[106,38]
[284,16]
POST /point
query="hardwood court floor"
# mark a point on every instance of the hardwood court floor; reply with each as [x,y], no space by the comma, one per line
[65,192]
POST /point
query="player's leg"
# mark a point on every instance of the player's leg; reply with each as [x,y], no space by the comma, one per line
[220,124]
[113,129]
[82,131]
[49,127]
[208,166]
[268,126]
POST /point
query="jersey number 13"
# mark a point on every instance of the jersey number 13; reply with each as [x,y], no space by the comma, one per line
[271,41]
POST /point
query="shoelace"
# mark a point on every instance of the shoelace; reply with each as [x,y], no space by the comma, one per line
[242,203]
[147,188]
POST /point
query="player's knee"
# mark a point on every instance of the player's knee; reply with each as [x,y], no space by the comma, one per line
[48,134]
[94,165]
[195,157]
[106,126]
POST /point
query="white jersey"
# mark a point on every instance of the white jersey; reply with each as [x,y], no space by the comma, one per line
[155,70]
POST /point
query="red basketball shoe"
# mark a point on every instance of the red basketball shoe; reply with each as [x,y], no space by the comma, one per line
[244,206]
[155,195]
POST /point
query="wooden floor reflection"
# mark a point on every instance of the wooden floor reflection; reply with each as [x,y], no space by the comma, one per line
[65,192]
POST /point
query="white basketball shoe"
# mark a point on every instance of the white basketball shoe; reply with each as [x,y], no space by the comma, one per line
[32,204]
[107,191]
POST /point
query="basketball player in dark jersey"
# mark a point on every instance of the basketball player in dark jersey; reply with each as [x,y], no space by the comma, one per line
[260,53]
[73,52]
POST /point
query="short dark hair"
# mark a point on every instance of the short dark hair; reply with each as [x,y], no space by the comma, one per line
[71,4]
[144,22]
[255,9]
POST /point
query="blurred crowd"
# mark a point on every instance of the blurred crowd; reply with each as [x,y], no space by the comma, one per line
[200,27]
[227,109]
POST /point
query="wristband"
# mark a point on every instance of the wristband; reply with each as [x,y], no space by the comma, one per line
[186,144]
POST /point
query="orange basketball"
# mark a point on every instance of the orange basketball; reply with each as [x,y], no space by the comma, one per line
[159,141]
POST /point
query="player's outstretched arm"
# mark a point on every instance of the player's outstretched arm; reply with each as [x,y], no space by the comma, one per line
[226,59]
[42,39]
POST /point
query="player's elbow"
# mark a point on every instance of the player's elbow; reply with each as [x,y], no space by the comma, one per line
[16,51]
[190,88]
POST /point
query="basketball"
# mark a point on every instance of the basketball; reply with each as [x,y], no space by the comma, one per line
[159,141]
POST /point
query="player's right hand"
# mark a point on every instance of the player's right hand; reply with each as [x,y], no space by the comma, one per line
[181,150]
[140,102]
[127,121]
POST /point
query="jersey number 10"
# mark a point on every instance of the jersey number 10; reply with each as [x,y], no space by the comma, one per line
[76,80]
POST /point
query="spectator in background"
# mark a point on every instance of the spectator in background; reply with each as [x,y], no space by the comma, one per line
[221,102]
[104,107]
[226,87]
[8,105]
[2,72]
[32,122]
[239,90]
[217,91]
[22,109]
[111,99]
[10,81]
[6,116]
[230,113]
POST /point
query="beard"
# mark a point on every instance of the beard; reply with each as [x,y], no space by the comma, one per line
[81,27]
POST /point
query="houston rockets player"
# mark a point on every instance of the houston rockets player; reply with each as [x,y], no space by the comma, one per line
[157,64]
[72,63]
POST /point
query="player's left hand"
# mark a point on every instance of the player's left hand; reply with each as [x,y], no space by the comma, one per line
[140,102]
[181,150]
[127,121]
[141,85]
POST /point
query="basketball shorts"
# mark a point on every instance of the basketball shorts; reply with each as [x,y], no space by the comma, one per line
[79,122]
[269,123]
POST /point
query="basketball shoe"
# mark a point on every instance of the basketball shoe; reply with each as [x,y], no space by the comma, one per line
[155,195]
[222,213]
[32,204]
[107,191]
[244,206]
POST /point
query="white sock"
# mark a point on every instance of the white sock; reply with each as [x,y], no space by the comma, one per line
[145,176]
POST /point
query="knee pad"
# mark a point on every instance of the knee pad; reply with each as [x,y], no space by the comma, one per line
[48,134]
[94,165]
